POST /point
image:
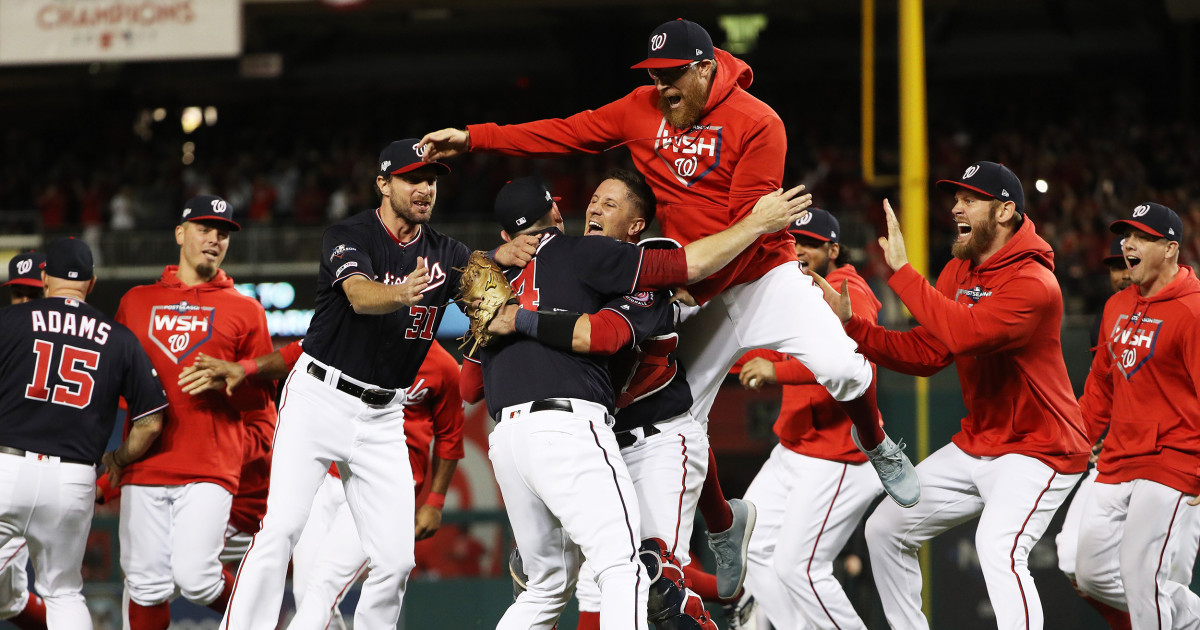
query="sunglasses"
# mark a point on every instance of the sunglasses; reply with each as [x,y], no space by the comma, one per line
[667,76]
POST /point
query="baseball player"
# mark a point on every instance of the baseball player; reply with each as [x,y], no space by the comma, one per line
[68,364]
[1067,540]
[329,557]
[555,433]
[709,150]
[18,606]
[995,313]
[176,502]
[657,436]
[384,281]
[1138,535]
[814,489]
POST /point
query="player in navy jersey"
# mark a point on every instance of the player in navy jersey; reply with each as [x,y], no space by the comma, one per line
[555,433]
[67,364]
[384,280]
[25,277]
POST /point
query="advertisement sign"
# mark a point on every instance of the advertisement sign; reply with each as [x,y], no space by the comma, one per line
[81,31]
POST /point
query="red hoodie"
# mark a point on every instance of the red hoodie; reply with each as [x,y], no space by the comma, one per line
[810,421]
[999,323]
[203,439]
[705,178]
[1145,376]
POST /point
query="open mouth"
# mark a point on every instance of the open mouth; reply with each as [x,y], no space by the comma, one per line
[674,100]
[964,230]
[594,228]
[1132,261]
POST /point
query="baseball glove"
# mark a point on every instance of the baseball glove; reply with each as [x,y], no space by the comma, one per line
[484,289]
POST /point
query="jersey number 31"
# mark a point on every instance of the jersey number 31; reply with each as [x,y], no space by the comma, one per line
[76,385]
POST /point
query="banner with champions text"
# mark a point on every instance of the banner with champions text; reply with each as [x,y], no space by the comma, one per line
[84,31]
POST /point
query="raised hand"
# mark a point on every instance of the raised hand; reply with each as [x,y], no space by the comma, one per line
[443,143]
[893,244]
[518,251]
[774,211]
[838,301]
[415,283]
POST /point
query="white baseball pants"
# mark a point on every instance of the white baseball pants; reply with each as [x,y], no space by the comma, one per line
[318,425]
[237,543]
[783,311]
[1067,540]
[14,581]
[807,509]
[1137,547]
[569,496]
[668,472]
[50,504]
[1014,496]
[327,560]
[172,536]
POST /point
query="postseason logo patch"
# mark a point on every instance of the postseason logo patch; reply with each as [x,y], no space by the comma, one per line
[180,329]
[641,298]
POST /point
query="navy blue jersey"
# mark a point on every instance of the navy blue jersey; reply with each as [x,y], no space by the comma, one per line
[578,274]
[64,365]
[383,350]
[650,384]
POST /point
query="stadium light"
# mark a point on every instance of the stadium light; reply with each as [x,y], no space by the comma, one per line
[1041,186]
[191,119]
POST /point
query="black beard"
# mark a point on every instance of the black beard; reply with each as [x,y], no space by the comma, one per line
[405,211]
[206,270]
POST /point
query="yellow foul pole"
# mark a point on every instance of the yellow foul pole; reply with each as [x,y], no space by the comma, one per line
[914,202]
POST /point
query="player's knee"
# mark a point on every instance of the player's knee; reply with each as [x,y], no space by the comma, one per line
[201,585]
[12,601]
[846,379]
[881,533]
[148,593]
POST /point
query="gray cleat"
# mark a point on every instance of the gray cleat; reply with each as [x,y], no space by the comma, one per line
[741,616]
[730,548]
[896,472]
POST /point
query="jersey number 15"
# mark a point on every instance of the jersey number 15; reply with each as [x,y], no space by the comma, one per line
[76,388]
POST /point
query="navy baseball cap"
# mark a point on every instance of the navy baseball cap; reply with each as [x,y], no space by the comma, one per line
[209,208]
[1154,219]
[521,203]
[1115,253]
[403,156]
[676,43]
[70,259]
[25,269]
[818,224]
[989,179]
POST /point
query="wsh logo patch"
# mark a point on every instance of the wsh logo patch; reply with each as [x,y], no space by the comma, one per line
[690,155]
[1131,342]
[179,329]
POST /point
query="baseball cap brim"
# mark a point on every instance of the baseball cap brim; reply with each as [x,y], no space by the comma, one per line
[951,186]
[25,282]
[811,235]
[416,165]
[1118,227]
[659,62]
[1108,260]
[233,225]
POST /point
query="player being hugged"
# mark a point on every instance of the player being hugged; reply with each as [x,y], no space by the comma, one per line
[1138,534]
[384,282]
[72,363]
[175,503]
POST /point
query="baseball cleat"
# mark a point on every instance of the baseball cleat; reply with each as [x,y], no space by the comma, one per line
[896,472]
[741,616]
[730,548]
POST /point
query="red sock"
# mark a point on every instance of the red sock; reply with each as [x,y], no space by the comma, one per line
[704,584]
[33,617]
[156,617]
[864,413]
[222,600]
[1117,619]
[589,621]
[713,506]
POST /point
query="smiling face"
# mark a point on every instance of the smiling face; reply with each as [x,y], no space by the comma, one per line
[614,212]
[975,216]
[202,247]
[816,254]
[411,195]
[1148,257]
[683,94]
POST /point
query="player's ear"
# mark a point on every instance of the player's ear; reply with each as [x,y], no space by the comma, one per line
[835,250]
[504,235]
[382,185]
[637,226]
[179,234]
[91,285]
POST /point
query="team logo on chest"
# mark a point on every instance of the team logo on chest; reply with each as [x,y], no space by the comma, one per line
[1131,342]
[437,277]
[689,155]
[974,294]
[179,329]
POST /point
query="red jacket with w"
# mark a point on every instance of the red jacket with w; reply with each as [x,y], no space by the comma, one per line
[1144,380]
[705,178]
[999,323]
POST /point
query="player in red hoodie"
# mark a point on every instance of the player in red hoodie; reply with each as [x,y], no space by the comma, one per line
[710,150]
[1138,535]
[814,490]
[175,501]
[996,314]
